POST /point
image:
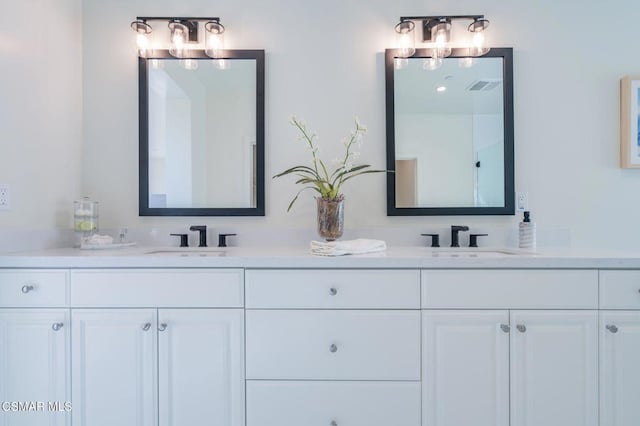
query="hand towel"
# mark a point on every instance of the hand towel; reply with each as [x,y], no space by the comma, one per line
[341,248]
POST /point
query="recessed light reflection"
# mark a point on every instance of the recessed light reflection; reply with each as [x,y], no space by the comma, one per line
[441,89]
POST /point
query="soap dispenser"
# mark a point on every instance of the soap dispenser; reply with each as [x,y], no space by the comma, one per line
[527,234]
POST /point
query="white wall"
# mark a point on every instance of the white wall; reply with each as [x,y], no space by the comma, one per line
[40,116]
[325,64]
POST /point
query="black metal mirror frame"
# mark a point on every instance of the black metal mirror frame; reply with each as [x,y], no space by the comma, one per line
[143,96]
[509,191]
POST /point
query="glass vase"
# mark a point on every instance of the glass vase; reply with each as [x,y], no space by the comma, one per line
[330,218]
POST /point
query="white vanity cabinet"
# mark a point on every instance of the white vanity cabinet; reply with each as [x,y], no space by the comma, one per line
[34,366]
[620,348]
[333,347]
[34,347]
[529,357]
[177,359]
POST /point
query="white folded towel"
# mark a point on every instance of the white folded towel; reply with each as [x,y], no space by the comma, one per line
[340,248]
[98,240]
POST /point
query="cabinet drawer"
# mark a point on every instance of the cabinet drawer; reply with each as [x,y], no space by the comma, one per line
[33,288]
[333,289]
[199,288]
[620,289]
[504,289]
[331,403]
[333,345]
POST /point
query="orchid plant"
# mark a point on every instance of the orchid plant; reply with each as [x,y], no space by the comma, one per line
[316,176]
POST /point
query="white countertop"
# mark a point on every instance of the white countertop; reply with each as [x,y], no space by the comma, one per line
[300,257]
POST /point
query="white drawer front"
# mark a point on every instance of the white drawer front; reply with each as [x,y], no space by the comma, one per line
[333,289]
[620,289]
[195,288]
[33,288]
[504,289]
[331,403]
[342,345]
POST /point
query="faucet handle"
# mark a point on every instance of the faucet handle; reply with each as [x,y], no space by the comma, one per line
[184,239]
[473,239]
[222,239]
[435,239]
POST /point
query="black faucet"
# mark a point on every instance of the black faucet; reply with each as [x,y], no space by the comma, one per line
[454,234]
[203,234]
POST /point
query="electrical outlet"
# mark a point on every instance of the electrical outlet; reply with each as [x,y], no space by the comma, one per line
[5,197]
[522,201]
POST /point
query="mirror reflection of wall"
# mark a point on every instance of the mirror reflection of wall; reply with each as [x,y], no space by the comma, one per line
[449,123]
[202,135]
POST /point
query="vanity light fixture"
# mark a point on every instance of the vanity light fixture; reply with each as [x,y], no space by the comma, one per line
[437,34]
[183,36]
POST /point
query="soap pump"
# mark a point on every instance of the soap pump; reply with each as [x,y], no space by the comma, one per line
[527,234]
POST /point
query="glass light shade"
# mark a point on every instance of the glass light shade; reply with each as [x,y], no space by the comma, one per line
[142,30]
[431,64]
[179,37]
[466,62]
[189,64]
[214,39]
[406,38]
[478,30]
[400,63]
[441,36]
[221,64]
[156,64]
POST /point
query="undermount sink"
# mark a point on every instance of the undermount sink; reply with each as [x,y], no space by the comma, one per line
[474,252]
[184,252]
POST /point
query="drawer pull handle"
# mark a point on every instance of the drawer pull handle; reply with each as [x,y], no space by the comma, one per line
[57,326]
[334,423]
[521,328]
[612,328]
[333,348]
[162,327]
[333,291]
[27,288]
[147,326]
[505,327]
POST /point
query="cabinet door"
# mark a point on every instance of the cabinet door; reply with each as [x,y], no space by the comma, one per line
[114,367]
[465,368]
[201,367]
[34,366]
[554,368]
[620,368]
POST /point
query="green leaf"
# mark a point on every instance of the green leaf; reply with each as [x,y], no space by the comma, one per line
[297,195]
[297,169]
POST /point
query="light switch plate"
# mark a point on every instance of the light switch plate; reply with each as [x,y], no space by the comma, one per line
[522,201]
[5,197]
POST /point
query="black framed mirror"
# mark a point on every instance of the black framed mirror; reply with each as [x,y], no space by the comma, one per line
[450,134]
[201,134]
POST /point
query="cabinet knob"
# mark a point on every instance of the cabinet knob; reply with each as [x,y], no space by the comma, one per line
[27,288]
[162,327]
[333,348]
[521,328]
[333,291]
[612,328]
[57,326]
[505,327]
[334,423]
[147,326]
